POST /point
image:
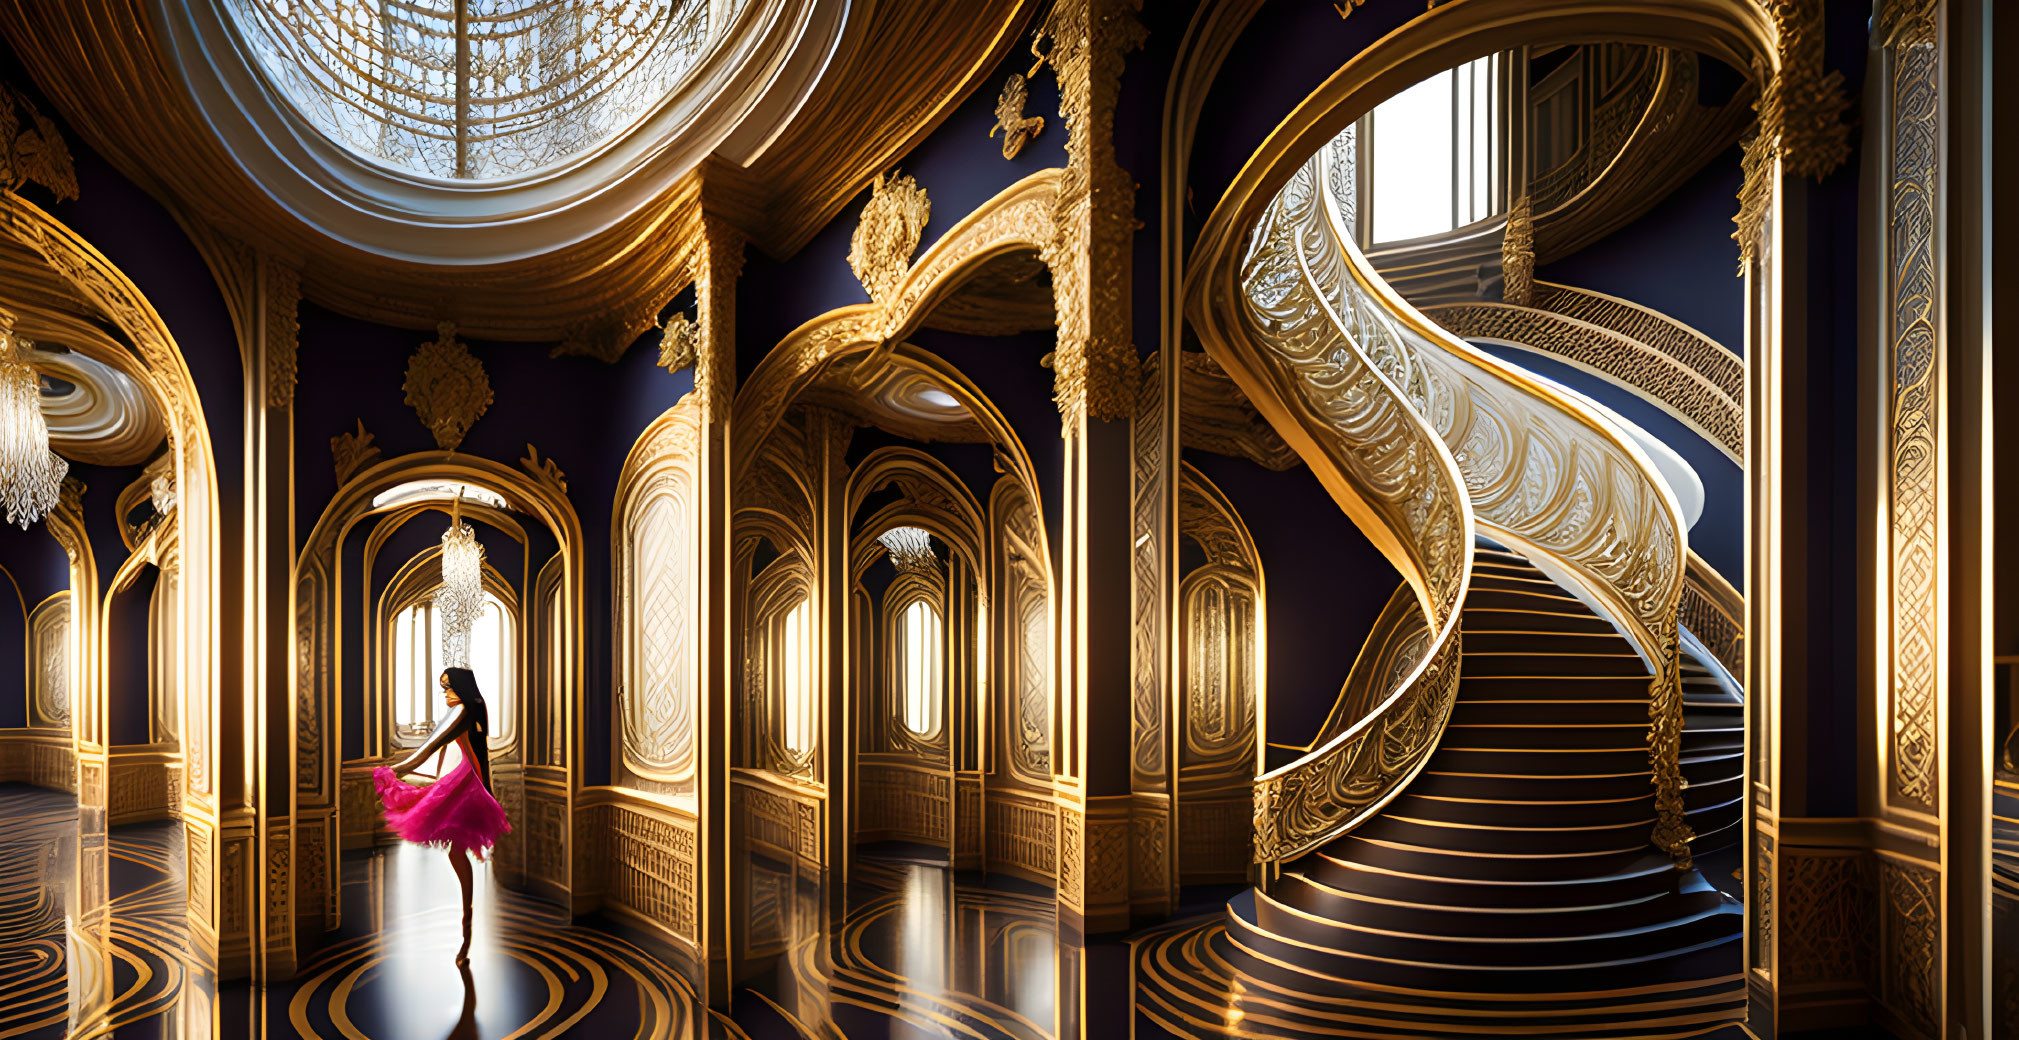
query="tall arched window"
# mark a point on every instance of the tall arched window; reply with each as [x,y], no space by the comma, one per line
[921,667]
[792,667]
[418,700]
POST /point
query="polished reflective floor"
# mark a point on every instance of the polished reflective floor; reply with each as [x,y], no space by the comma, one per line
[913,950]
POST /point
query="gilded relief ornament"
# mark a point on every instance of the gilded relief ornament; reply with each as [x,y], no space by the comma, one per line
[545,470]
[352,452]
[1517,255]
[681,344]
[1017,128]
[893,221]
[33,149]
[447,388]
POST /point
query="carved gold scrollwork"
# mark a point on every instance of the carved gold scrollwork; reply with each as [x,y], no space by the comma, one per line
[1517,255]
[1412,501]
[1543,474]
[447,387]
[33,150]
[1017,128]
[1369,377]
[352,452]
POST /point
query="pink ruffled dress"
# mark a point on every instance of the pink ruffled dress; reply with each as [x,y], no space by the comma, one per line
[455,812]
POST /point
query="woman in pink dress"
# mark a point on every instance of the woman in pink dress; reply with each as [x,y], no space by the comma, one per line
[457,812]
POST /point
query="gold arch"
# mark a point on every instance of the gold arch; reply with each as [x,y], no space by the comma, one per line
[319,614]
[72,291]
[1017,220]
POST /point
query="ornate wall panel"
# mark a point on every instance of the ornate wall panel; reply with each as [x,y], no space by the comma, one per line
[1023,835]
[1910,356]
[899,800]
[656,560]
[647,860]
[50,655]
[1824,922]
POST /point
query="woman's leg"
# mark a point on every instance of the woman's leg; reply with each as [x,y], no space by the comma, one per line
[460,860]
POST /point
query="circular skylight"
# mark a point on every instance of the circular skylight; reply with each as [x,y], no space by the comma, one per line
[474,89]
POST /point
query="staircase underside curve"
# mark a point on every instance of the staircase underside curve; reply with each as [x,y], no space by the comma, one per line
[1510,889]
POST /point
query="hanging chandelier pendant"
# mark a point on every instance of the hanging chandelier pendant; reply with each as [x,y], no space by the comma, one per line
[31,476]
[461,597]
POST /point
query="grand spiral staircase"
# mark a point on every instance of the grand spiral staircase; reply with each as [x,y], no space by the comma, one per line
[1499,839]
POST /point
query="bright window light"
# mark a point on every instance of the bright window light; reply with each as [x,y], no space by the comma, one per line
[920,654]
[418,700]
[1435,151]
[797,650]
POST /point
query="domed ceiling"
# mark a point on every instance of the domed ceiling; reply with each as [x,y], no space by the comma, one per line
[474,89]
[530,169]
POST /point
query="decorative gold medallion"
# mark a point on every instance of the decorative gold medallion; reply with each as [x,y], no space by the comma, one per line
[447,388]
[893,221]
[1017,128]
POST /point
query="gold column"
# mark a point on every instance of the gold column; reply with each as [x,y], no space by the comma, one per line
[1158,703]
[717,263]
[827,437]
[1096,378]
[291,734]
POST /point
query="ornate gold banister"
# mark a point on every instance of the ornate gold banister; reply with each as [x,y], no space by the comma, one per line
[1298,359]
[1545,473]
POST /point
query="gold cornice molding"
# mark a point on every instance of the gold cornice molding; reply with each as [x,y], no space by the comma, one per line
[99,63]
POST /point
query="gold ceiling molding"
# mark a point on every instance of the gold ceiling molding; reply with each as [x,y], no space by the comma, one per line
[893,221]
[352,453]
[32,149]
[101,64]
[446,387]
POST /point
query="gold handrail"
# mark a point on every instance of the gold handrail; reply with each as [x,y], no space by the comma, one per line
[1546,475]
[1299,361]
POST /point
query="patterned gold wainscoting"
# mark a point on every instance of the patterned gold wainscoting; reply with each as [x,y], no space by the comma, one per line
[1215,836]
[1023,836]
[641,858]
[38,756]
[546,830]
[146,784]
[904,801]
[781,819]
[363,824]
[968,850]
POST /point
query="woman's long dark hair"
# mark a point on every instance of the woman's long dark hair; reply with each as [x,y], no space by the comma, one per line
[464,682]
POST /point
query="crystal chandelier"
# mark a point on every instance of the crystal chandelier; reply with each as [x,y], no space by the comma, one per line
[31,476]
[910,550]
[461,596]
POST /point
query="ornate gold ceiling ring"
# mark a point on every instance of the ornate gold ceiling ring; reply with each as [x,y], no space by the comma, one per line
[108,67]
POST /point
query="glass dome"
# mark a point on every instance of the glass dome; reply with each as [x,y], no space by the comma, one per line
[474,89]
